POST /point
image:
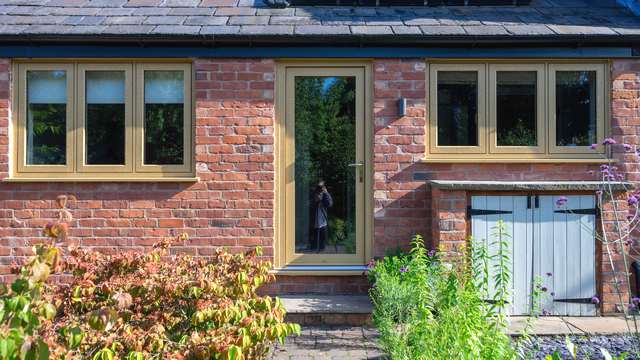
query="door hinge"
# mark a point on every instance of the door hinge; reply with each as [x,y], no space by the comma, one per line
[536,201]
[475,212]
[577,300]
[578,211]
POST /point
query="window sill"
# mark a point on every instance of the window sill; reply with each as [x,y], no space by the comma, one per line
[192,179]
[497,160]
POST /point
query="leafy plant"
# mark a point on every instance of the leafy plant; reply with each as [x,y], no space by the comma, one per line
[426,307]
[139,305]
[25,306]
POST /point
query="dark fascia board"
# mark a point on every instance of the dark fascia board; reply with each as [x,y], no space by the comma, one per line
[160,51]
[320,40]
[348,46]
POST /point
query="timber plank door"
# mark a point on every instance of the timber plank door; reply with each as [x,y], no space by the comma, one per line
[553,242]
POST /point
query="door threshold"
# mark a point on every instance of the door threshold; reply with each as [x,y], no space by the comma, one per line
[320,270]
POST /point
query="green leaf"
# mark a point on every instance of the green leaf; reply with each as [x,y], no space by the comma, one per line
[48,311]
[39,351]
[20,285]
[104,354]
[234,353]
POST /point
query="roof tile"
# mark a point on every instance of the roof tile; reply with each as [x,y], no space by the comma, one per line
[322,29]
[248,20]
[547,18]
[371,30]
[442,30]
[177,29]
[266,29]
[206,20]
[219,30]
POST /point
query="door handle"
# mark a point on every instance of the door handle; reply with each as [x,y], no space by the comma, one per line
[360,166]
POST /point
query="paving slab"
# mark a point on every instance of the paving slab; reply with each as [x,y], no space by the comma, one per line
[325,304]
[572,325]
[601,325]
[548,325]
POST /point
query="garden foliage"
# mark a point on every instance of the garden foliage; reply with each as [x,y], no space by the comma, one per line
[140,305]
[429,307]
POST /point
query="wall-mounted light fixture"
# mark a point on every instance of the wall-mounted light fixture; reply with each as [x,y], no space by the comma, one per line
[402,107]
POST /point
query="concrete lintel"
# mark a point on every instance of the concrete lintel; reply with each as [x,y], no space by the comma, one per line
[524,185]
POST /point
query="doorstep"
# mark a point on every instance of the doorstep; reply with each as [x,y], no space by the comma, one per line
[571,325]
[352,310]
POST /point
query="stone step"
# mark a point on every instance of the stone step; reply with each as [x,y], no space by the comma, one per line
[353,310]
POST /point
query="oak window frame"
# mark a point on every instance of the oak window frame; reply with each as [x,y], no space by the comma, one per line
[546,118]
[76,167]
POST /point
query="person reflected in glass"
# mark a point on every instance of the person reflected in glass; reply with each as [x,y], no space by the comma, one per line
[321,202]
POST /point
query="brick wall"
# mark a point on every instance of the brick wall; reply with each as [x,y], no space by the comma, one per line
[233,204]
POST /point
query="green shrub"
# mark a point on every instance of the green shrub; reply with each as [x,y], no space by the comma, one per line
[427,306]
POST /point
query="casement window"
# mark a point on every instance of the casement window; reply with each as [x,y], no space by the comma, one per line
[92,121]
[517,112]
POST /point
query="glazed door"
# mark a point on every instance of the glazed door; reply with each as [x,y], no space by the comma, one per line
[325,166]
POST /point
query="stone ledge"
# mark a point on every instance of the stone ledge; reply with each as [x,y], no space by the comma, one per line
[326,304]
[523,185]
[352,310]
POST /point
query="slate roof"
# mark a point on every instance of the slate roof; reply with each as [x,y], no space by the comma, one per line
[235,19]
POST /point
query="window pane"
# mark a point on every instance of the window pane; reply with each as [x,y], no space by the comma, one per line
[163,117]
[46,117]
[575,108]
[516,108]
[457,108]
[105,117]
[325,145]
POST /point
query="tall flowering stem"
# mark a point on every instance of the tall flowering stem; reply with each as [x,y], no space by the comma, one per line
[617,234]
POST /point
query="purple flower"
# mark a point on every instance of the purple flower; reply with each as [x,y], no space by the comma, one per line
[431,253]
[561,200]
[635,300]
[632,200]
[404,269]
[371,264]
[608,141]
[627,147]
[549,274]
[595,300]
[594,146]
[632,307]
[544,289]
[545,312]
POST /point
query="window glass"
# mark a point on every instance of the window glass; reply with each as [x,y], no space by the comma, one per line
[46,117]
[325,150]
[105,117]
[163,117]
[576,117]
[457,108]
[516,108]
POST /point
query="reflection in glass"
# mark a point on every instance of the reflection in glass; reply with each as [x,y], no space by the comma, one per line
[575,108]
[516,108]
[457,108]
[325,123]
[105,117]
[163,117]
[46,117]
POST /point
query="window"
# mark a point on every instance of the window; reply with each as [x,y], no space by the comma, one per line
[530,111]
[459,99]
[110,120]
